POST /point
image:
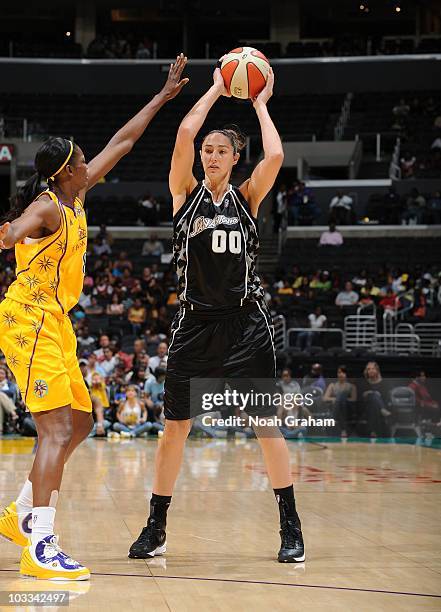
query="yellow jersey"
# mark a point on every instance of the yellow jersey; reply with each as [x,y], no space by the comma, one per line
[50,270]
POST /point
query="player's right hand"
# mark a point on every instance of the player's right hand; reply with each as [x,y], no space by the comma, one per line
[218,80]
[5,243]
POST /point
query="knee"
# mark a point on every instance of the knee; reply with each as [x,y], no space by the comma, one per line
[175,431]
[60,437]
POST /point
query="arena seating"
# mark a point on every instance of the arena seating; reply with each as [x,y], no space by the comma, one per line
[92,120]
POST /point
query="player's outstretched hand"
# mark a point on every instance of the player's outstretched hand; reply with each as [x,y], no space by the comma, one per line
[5,242]
[174,83]
[267,91]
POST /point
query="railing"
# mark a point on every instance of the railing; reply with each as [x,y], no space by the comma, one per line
[279,323]
[430,338]
[14,127]
[389,317]
[402,344]
[394,168]
[364,307]
[344,116]
[359,331]
[355,161]
[297,330]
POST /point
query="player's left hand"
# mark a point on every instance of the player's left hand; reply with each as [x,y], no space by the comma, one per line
[267,91]
[174,83]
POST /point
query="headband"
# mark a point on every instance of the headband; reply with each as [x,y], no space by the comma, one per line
[51,178]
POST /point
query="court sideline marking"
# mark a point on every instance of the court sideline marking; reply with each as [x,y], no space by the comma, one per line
[262,582]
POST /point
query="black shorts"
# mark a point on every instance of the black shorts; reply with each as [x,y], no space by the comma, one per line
[230,348]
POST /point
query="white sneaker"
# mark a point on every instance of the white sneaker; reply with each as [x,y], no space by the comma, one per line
[46,561]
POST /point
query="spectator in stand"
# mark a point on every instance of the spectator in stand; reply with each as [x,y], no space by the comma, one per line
[85,341]
[123,262]
[304,210]
[98,391]
[138,350]
[105,234]
[315,378]
[85,297]
[280,208]
[374,391]
[124,360]
[428,408]
[94,308]
[8,398]
[160,359]
[93,367]
[152,247]
[369,292]
[100,247]
[116,307]
[340,394]
[317,321]
[103,342]
[127,280]
[420,306]
[322,283]
[109,363]
[415,205]
[154,391]
[331,237]
[340,210]
[142,52]
[390,301]
[304,291]
[294,410]
[392,207]
[286,287]
[402,109]
[131,416]
[407,165]
[137,315]
[149,210]
[286,383]
[348,297]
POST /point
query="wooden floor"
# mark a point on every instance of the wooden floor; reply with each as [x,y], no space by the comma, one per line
[371,519]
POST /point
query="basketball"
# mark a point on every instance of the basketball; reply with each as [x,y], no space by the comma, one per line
[245,71]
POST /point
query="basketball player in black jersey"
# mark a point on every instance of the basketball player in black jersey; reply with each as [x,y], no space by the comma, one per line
[223,328]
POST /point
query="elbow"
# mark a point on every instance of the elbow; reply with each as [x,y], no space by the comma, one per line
[277,158]
[185,133]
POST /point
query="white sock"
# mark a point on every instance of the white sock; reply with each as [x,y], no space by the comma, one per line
[24,499]
[43,518]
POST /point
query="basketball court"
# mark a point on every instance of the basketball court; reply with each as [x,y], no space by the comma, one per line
[370,516]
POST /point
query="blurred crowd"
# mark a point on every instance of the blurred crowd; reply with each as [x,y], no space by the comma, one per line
[123,319]
[296,205]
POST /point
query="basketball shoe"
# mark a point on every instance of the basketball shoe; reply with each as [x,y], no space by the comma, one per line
[151,541]
[10,527]
[46,561]
[292,549]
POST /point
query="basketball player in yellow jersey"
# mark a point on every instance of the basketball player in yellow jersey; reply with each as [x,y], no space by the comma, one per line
[49,232]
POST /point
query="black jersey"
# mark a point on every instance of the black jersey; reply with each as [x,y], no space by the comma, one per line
[215,248]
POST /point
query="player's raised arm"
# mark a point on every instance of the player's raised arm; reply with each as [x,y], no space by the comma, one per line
[122,142]
[181,179]
[266,171]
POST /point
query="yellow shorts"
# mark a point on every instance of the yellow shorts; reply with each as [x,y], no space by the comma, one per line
[40,349]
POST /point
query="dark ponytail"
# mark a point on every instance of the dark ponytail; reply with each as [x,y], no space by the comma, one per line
[49,158]
[24,196]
